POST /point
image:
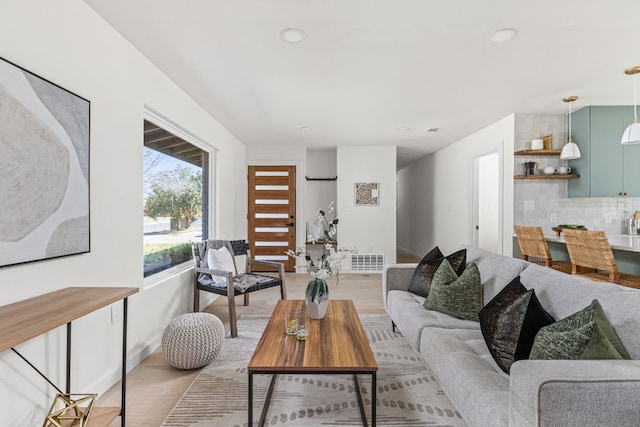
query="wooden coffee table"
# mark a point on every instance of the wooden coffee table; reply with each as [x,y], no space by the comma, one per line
[336,344]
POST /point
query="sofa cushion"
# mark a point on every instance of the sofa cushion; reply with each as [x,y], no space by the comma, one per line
[468,374]
[421,280]
[586,334]
[510,322]
[409,315]
[458,296]
[496,270]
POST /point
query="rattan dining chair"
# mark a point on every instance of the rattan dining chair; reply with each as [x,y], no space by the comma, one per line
[533,244]
[590,248]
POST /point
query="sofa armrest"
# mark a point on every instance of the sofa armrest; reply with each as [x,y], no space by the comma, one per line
[396,277]
[571,393]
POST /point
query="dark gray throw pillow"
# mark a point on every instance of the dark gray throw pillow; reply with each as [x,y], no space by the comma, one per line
[422,277]
[460,297]
[510,322]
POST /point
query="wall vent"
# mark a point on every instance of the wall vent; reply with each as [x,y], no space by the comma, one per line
[367,262]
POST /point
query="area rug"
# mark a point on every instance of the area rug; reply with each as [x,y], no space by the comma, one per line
[407,395]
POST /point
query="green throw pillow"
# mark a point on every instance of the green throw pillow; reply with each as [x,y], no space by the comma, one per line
[586,334]
[460,297]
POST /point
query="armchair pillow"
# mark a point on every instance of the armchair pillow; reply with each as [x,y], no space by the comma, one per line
[460,297]
[586,334]
[510,322]
[220,259]
[423,275]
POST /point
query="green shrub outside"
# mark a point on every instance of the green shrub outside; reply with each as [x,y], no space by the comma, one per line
[166,254]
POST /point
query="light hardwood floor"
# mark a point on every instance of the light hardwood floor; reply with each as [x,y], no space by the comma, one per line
[154,387]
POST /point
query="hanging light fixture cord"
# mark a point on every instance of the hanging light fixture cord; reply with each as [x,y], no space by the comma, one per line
[569,136]
[635,97]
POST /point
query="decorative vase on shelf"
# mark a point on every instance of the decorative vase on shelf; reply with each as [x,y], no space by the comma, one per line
[317,297]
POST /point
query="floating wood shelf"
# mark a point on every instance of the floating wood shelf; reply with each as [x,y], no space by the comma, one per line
[321,179]
[538,153]
[554,176]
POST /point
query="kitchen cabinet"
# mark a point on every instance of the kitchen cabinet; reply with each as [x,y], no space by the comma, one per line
[607,168]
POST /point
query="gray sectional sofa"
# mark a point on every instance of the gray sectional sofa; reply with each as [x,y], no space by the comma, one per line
[536,392]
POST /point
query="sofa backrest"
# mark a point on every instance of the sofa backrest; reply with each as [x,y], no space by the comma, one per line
[563,294]
[496,271]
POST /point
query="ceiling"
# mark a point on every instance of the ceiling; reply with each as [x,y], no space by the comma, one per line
[382,72]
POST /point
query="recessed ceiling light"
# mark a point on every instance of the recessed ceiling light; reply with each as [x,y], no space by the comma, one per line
[306,129]
[502,36]
[403,128]
[432,130]
[292,35]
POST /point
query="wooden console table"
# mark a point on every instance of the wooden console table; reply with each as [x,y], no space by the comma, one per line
[24,320]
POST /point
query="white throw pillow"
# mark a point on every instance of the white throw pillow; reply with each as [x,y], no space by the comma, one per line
[221,259]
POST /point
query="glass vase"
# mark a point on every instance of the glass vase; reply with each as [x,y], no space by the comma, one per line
[317,297]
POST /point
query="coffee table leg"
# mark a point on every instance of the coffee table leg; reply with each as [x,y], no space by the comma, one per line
[265,408]
[373,399]
[250,399]
[360,401]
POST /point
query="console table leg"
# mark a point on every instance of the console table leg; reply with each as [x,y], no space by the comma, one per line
[68,388]
[123,403]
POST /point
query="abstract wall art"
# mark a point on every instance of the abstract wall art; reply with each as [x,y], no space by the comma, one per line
[44,168]
[366,194]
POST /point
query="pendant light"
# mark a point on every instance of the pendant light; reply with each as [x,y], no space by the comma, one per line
[632,134]
[570,150]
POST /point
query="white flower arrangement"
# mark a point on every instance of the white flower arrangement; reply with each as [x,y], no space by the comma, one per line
[328,265]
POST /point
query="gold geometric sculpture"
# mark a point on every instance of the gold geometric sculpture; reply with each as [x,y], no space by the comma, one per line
[66,410]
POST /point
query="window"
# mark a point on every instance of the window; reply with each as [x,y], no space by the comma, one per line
[175,197]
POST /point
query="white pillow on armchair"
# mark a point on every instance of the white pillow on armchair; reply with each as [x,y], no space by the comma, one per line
[221,259]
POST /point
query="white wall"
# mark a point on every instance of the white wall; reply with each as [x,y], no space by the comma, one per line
[436,193]
[370,229]
[68,44]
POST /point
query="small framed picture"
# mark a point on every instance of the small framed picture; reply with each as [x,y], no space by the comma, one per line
[367,193]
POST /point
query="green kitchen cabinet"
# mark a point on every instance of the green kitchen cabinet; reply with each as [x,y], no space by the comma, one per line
[607,168]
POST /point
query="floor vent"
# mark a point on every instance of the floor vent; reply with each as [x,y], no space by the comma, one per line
[367,262]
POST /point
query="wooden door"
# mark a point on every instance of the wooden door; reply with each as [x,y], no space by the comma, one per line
[272,210]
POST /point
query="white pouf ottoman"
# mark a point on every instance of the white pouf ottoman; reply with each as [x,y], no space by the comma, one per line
[192,340]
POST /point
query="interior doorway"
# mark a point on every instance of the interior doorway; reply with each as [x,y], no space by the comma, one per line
[272,213]
[487,203]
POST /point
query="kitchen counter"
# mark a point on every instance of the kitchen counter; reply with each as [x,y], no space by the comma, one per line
[620,242]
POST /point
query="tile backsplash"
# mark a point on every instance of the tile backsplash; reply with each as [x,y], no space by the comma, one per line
[607,214]
[544,202]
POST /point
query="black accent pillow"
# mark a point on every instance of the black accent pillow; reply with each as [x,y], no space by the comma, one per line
[510,322]
[422,277]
